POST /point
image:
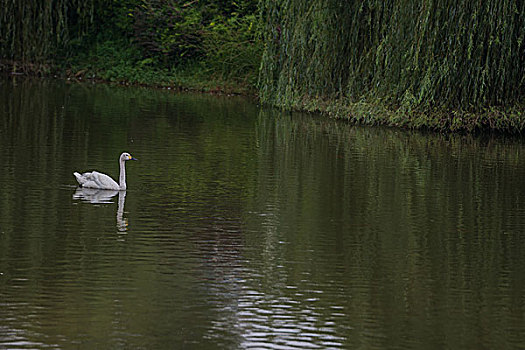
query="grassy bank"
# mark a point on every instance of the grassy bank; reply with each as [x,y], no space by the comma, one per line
[508,120]
[120,62]
[113,70]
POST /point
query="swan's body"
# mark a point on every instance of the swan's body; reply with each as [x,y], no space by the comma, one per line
[98,180]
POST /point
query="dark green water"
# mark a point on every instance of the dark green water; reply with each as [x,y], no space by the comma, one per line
[245,228]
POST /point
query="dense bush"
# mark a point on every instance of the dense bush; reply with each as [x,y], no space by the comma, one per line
[136,40]
[174,32]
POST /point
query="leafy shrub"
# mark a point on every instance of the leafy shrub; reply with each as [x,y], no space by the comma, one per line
[167,29]
[232,47]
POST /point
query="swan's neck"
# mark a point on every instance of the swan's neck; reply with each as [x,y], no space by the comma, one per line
[122,177]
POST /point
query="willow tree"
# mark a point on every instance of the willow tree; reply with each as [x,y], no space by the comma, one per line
[430,53]
[35,30]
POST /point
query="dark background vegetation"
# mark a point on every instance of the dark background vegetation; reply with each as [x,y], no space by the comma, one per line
[441,64]
[158,42]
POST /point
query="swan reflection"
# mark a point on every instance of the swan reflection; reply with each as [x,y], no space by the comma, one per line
[99,196]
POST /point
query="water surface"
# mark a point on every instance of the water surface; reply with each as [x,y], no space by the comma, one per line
[249,228]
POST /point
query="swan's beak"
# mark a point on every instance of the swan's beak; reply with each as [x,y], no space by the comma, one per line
[133,158]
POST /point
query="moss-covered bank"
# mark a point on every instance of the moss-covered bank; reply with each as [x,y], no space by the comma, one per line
[506,120]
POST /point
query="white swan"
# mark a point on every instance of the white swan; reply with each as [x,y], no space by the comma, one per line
[95,179]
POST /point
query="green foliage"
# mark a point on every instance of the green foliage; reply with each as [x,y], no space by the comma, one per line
[406,54]
[34,30]
[155,42]
[233,49]
[407,57]
[168,28]
[213,41]
[177,32]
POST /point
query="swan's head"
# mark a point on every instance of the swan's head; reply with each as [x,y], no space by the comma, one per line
[126,156]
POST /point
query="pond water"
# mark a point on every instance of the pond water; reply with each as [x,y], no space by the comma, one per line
[249,228]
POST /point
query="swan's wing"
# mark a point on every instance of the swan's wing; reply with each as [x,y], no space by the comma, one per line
[95,179]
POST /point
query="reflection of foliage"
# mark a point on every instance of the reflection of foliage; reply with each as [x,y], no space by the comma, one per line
[341,225]
[398,220]
[405,178]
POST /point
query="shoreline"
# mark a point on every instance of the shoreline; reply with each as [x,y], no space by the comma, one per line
[506,120]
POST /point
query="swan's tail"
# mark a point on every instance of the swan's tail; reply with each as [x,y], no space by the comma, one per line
[79,178]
